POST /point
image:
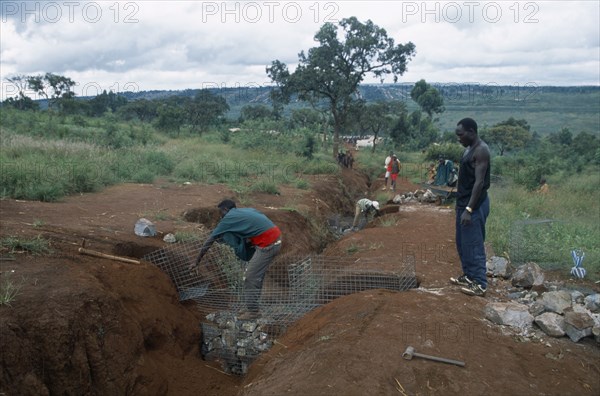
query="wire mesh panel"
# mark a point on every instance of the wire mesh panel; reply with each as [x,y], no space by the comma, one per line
[293,286]
[218,282]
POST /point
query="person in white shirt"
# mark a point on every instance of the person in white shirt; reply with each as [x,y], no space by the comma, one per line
[364,207]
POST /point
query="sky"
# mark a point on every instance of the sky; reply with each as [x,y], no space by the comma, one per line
[175,45]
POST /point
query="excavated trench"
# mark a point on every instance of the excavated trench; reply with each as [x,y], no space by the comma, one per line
[294,284]
[298,281]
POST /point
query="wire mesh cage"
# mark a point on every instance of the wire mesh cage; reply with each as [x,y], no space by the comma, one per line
[293,286]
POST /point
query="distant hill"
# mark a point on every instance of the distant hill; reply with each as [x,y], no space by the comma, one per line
[547,108]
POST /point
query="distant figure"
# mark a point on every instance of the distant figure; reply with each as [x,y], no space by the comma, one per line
[255,239]
[394,167]
[472,209]
[364,207]
[349,159]
[388,159]
[431,172]
[544,187]
[446,174]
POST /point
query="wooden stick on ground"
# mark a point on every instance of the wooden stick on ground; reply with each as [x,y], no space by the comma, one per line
[107,256]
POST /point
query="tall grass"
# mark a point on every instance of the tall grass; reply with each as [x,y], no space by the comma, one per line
[544,228]
[46,170]
[43,158]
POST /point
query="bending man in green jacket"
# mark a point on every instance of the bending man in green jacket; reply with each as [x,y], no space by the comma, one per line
[254,238]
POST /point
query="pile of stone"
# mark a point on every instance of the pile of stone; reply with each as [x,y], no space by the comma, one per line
[232,342]
[553,308]
[417,196]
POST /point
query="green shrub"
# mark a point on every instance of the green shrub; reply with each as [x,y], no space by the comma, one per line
[451,151]
[37,245]
[265,187]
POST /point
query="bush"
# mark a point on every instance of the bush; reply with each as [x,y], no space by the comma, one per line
[264,186]
[451,151]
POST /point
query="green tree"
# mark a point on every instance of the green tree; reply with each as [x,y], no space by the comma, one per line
[142,109]
[100,104]
[53,87]
[508,135]
[428,98]
[305,118]
[256,112]
[170,118]
[374,118]
[21,101]
[412,130]
[205,110]
[333,70]
[563,137]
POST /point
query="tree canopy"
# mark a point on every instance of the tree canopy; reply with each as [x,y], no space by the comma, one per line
[333,70]
[428,98]
[52,87]
[508,135]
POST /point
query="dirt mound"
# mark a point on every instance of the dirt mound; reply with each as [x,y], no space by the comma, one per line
[93,326]
[354,346]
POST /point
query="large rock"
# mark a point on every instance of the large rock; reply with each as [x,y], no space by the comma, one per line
[551,323]
[556,301]
[528,275]
[499,267]
[510,314]
[578,325]
[592,302]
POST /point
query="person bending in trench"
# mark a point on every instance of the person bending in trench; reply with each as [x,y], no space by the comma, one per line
[255,239]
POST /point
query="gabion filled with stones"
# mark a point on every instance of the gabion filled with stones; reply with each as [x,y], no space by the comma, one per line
[293,286]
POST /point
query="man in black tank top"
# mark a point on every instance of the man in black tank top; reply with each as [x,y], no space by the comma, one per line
[472,208]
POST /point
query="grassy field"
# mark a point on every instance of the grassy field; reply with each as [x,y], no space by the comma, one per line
[44,158]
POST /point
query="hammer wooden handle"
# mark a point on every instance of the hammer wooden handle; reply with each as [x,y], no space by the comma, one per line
[439,359]
[107,256]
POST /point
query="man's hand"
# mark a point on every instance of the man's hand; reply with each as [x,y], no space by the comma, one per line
[193,268]
[465,218]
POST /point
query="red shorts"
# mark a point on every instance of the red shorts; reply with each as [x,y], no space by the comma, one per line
[266,238]
[394,176]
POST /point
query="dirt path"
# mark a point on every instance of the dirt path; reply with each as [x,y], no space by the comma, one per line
[83,325]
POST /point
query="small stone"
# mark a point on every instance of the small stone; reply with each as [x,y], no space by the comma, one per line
[536,309]
[596,333]
[249,326]
[516,295]
[170,238]
[528,275]
[592,302]
[577,297]
[499,267]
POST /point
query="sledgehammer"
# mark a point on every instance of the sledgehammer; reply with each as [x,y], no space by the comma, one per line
[410,352]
